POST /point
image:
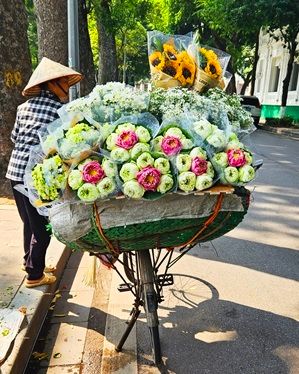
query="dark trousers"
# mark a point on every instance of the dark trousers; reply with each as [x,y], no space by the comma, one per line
[36,237]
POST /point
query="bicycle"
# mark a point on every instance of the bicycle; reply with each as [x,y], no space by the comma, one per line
[147,270]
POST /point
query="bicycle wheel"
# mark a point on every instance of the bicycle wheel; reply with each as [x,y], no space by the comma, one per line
[149,296]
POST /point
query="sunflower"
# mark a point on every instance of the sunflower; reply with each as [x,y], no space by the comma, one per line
[170,52]
[210,63]
[213,69]
[187,69]
[171,68]
[157,60]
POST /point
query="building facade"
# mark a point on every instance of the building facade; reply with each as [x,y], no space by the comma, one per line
[271,71]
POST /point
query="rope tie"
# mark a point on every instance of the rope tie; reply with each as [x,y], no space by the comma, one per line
[100,228]
[208,222]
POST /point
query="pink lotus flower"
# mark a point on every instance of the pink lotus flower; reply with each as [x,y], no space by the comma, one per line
[171,145]
[127,139]
[236,157]
[93,172]
[149,178]
[199,166]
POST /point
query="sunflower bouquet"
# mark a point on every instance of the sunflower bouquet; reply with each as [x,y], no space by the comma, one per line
[170,63]
[211,67]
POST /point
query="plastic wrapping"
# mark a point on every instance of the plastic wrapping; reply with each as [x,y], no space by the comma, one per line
[195,172]
[211,66]
[149,176]
[111,101]
[236,165]
[92,176]
[175,134]
[130,136]
[45,178]
[170,64]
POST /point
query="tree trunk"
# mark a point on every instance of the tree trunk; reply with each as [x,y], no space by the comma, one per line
[247,80]
[15,70]
[286,81]
[86,58]
[256,58]
[107,46]
[52,30]
[231,88]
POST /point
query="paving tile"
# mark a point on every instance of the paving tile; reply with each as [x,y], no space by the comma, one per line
[72,280]
[69,369]
[74,260]
[68,340]
[74,305]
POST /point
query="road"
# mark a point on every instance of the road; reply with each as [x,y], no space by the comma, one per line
[234,307]
[247,320]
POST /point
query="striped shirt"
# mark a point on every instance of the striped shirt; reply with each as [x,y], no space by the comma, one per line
[31,117]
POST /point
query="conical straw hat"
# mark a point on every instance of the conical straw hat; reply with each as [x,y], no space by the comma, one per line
[46,71]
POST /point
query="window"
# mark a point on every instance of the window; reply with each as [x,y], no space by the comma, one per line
[294,77]
[274,76]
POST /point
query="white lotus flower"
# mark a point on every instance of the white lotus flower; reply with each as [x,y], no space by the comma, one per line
[187,181]
[156,143]
[198,152]
[187,143]
[138,149]
[203,182]
[248,158]
[220,159]
[166,183]
[175,131]
[210,170]
[217,139]
[231,174]
[109,167]
[120,154]
[111,141]
[162,164]
[133,189]
[144,160]
[203,128]
[143,134]
[128,171]
[106,187]
[246,173]
[183,162]
[125,127]
[75,179]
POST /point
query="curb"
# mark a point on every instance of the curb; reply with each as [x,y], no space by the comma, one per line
[291,133]
[38,300]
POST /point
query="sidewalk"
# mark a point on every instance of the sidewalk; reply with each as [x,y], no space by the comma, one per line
[290,132]
[14,295]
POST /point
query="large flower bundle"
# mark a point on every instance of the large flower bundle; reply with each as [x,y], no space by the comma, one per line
[150,176]
[235,164]
[108,102]
[130,136]
[49,178]
[195,172]
[170,63]
[178,60]
[93,178]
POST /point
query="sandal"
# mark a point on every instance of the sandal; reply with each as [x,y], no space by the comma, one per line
[47,269]
[45,279]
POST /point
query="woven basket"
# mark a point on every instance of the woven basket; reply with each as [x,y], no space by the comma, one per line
[165,233]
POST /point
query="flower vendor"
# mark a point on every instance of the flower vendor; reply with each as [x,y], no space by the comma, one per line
[47,88]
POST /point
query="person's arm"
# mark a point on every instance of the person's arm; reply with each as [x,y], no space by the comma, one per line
[15,130]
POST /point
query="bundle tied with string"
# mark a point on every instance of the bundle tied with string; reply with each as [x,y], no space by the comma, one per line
[211,67]
[170,64]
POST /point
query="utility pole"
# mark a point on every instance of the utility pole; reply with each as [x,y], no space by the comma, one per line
[73,43]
